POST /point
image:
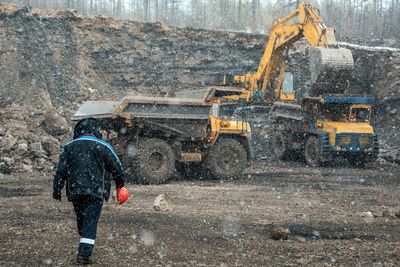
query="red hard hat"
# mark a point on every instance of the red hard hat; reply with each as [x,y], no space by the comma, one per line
[122,195]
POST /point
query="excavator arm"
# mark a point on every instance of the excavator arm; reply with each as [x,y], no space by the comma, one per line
[328,61]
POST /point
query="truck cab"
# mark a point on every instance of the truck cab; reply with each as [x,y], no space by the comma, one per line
[343,126]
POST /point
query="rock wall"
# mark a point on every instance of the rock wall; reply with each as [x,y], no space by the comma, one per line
[63,55]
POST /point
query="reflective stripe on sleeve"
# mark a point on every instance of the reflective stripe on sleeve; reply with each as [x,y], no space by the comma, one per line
[87,241]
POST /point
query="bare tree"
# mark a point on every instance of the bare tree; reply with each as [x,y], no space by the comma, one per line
[351,18]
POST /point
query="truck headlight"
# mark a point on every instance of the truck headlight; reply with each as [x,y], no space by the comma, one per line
[225,123]
[346,140]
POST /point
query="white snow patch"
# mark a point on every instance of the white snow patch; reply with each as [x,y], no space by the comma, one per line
[132,151]
[147,238]
[49,261]
[231,226]
[369,48]
[133,250]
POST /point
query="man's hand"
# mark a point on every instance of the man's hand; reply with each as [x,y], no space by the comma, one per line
[119,183]
[57,196]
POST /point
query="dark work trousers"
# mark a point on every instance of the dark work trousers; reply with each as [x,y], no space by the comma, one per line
[87,210]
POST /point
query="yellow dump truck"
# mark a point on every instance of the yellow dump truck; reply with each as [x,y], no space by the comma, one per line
[325,127]
[156,135]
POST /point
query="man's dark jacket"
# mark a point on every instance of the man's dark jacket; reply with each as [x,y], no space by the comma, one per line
[87,165]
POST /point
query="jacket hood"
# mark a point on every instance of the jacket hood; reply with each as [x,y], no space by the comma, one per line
[87,126]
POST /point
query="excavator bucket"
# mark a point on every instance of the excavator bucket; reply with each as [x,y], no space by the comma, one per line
[331,70]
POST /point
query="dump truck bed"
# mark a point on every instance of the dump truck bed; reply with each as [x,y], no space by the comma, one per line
[96,109]
[184,117]
[146,107]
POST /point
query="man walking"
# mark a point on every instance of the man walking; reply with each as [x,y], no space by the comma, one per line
[87,164]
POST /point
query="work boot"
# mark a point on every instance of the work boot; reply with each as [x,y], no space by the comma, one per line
[82,260]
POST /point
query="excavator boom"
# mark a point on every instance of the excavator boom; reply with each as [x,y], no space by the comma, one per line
[329,64]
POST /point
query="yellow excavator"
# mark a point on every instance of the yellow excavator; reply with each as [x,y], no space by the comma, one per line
[321,124]
[328,61]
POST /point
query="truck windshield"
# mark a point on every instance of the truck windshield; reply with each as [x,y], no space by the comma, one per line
[335,112]
[287,86]
[215,110]
[360,114]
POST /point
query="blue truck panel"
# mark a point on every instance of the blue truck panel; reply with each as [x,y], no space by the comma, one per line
[349,100]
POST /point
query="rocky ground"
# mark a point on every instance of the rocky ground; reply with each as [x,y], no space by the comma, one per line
[335,216]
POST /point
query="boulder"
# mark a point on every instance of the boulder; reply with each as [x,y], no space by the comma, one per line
[26,167]
[48,140]
[54,158]
[17,127]
[8,161]
[8,142]
[397,213]
[4,168]
[55,124]
[37,148]
[22,149]
[280,233]
[43,164]
[50,144]
[160,203]
[367,215]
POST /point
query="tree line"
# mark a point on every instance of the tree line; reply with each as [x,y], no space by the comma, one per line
[352,18]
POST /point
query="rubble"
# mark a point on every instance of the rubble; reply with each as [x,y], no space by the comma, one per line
[26,146]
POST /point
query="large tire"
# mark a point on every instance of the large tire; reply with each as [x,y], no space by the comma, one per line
[154,162]
[280,146]
[226,159]
[312,151]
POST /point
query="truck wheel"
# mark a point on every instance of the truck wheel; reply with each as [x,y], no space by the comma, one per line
[226,159]
[312,151]
[154,162]
[280,146]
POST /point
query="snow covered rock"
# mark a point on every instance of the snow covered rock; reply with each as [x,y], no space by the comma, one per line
[160,203]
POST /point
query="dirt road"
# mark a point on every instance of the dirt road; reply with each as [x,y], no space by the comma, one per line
[217,223]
